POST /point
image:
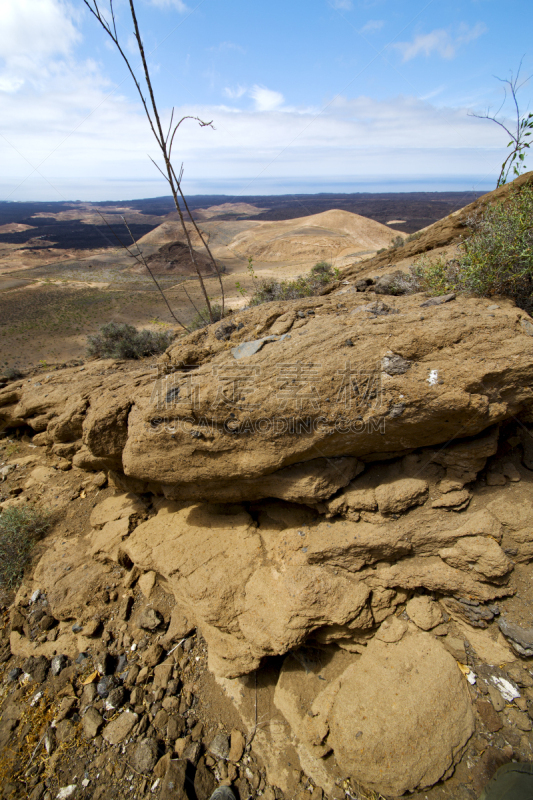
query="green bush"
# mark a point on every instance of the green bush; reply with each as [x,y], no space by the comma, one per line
[496,259]
[120,340]
[270,289]
[20,528]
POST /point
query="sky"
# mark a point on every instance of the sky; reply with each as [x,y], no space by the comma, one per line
[305,96]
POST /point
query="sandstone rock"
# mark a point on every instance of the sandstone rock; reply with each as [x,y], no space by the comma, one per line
[149,618]
[119,728]
[92,722]
[219,746]
[489,717]
[237,746]
[402,716]
[173,786]
[401,495]
[453,500]
[144,756]
[146,583]
[306,482]
[114,508]
[424,612]
[480,553]
[517,718]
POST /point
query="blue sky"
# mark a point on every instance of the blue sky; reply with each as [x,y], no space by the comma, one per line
[321,95]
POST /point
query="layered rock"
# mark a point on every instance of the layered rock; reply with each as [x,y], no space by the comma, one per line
[217,425]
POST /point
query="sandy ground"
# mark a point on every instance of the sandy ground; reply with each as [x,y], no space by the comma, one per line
[51,299]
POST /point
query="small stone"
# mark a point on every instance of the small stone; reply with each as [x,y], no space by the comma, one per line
[489,717]
[496,699]
[438,301]
[237,746]
[14,674]
[124,610]
[47,623]
[66,791]
[92,722]
[173,786]
[153,655]
[117,730]
[115,699]
[105,685]
[160,720]
[192,752]
[518,719]
[65,707]
[58,663]
[37,667]
[149,619]
[424,612]
[220,747]
[162,765]
[76,628]
[92,627]
[144,756]
[175,728]
[196,732]
[204,781]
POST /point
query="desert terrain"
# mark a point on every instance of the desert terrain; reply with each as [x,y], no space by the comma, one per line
[64,271]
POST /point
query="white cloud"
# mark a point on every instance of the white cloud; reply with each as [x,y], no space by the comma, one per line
[266,99]
[344,5]
[373,25]
[440,41]
[235,94]
[30,35]
[65,117]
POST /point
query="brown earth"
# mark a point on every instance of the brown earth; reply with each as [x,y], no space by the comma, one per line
[293,555]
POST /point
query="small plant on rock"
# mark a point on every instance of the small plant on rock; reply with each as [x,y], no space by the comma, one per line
[20,528]
[496,259]
[120,340]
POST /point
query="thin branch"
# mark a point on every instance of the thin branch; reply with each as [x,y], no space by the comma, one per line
[157,130]
[141,254]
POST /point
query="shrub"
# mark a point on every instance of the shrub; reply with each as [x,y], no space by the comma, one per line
[20,528]
[120,340]
[270,289]
[13,373]
[496,259]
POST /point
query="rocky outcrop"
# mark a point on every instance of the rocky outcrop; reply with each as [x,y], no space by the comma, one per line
[288,420]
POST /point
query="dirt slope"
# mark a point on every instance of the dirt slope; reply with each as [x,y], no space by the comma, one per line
[331,234]
[441,233]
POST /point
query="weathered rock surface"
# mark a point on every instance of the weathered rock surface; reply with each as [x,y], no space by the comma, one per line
[401,716]
[257,591]
[277,422]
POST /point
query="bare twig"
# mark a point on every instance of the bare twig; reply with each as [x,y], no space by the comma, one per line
[165,143]
[524,127]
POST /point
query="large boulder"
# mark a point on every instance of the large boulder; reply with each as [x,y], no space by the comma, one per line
[401,716]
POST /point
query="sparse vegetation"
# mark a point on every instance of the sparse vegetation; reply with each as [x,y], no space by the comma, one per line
[398,241]
[201,320]
[318,278]
[12,373]
[20,528]
[120,340]
[496,259]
